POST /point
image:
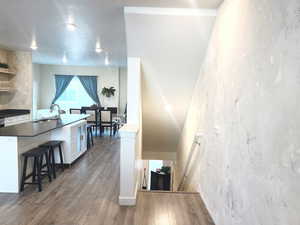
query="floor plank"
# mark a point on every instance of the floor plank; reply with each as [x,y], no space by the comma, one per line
[87,194]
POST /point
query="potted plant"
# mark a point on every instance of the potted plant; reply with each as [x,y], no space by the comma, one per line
[165,169]
[108,92]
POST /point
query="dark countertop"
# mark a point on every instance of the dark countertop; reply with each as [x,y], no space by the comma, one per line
[35,128]
[4,113]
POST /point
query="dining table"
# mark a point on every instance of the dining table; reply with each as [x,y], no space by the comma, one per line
[97,111]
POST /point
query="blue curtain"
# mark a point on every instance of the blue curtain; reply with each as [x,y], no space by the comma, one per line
[90,85]
[61,83]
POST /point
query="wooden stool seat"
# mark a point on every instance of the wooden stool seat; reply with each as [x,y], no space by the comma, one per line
[35,152]
[52,143]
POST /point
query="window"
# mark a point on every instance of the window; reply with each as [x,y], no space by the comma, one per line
[75,96]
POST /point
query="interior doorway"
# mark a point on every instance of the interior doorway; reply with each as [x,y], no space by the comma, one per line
[157,175]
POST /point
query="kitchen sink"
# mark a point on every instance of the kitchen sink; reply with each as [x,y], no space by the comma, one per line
[46,120]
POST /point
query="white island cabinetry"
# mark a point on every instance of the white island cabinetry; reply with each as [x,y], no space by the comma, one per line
[17,139]
[74,137]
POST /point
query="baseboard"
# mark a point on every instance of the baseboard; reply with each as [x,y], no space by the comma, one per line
[208,211]
[129,200]
[153,155]
[171,192]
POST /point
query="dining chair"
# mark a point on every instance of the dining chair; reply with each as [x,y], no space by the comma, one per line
[106,120]
[119,119]
[114,112]
[75,111]
[94,118]
[125,113]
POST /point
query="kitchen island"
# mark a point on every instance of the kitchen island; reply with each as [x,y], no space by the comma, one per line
[17,139]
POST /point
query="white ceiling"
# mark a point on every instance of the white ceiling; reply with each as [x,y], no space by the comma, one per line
[44,20]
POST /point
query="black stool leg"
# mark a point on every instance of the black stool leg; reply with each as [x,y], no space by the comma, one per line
[24,173]
[61,158]
[92,139]
[39,168]
[41,161]
[101,131]
[34,170]
[53,162]
[48,166]
[115,129]
[88,138]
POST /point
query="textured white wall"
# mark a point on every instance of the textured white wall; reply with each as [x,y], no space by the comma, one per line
[246,105]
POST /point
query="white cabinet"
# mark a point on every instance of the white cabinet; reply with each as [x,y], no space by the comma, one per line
[9,121]
[74,137]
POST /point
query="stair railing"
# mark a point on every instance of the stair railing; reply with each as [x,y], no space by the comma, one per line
[194,146]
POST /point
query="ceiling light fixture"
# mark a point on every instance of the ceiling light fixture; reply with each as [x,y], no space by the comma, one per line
[71,26]
[98,47]
[65,60]
[168,107]
[106,61]
[34,45]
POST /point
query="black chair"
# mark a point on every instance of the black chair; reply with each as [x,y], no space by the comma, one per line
[114,110]
[51,145]
[118,119]
[118,122]
[106,120]
[94,118]
[125,113]
[75,111]
[90,140]
[37,173]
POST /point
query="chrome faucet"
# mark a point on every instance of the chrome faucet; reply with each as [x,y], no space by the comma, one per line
[58,107]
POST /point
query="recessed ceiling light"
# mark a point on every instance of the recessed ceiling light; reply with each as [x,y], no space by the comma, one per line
[98,48]
[34,45]
[65,60]
[168,107]
[106,60]
[71,26]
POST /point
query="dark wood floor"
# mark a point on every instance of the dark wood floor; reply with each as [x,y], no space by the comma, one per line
[87,194]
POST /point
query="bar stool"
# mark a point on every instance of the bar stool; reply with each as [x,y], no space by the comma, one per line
[38,155]
[90,139]
[51,145]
